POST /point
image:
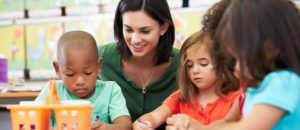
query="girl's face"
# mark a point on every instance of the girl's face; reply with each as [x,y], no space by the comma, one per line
[78,69]
[200,68]
[141,33]
[237,67]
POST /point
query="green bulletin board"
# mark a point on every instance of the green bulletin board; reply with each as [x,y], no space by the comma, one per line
[42,4]
[41,48]
[72,3]
[11,5]
[101,27]
[12,47]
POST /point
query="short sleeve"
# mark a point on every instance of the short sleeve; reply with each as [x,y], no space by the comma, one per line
[232,96]
[117,105]
[173,101]
[280,89]
[42,95]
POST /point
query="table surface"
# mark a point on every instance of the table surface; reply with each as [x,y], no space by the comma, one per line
[18,94]
[28,89]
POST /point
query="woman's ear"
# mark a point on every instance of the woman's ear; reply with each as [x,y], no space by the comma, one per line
[163,28]
[56,67]
[99,64]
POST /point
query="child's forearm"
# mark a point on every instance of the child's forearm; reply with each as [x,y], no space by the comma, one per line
[219,124]
[119,126]
[146,120]
[153,119]
[120,123]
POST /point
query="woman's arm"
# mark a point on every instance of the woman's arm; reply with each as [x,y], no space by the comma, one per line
[120,123]
[153,119]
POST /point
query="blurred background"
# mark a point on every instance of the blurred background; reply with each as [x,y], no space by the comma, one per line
[29,29]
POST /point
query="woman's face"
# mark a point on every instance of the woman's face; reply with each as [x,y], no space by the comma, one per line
[141,33]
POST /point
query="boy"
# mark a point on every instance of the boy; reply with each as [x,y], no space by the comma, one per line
[78,66]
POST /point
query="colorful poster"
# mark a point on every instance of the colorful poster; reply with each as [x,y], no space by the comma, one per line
[42,4]
[186,23]
[41,39]
[72,3]
[11,5]
[12,47]
[100,26]
[41,48]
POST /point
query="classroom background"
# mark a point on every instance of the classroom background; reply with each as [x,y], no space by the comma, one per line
[29,42]
[29,30]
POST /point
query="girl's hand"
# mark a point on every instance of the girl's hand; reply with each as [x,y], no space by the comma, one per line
[140,124]
[178,122]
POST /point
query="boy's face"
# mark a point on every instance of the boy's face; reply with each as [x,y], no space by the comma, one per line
[78,68]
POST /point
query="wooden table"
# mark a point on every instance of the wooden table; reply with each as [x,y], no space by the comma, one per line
[15,97]
[28,92]
[19,94]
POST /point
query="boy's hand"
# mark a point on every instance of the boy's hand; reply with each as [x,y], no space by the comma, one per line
[97,125]
[141,125]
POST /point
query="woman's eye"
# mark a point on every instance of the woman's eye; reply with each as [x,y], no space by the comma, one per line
[128,30]
[145,31]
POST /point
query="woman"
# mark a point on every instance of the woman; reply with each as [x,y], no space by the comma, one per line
[143,61]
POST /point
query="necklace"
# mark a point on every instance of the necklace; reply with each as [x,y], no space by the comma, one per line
[144,84]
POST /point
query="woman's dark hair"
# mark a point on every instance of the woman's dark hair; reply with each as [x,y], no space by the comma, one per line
[156,9]
[263,34]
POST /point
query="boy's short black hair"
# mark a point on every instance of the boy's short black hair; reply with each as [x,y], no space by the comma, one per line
[76,40]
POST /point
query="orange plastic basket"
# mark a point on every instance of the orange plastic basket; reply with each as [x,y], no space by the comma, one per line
[73,115]
[70,115]
[25,117]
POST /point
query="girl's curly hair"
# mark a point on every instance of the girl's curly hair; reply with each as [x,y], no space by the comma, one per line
[213,16]
[224,63]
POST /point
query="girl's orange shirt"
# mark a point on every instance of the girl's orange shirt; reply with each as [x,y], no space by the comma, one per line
[213,111]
